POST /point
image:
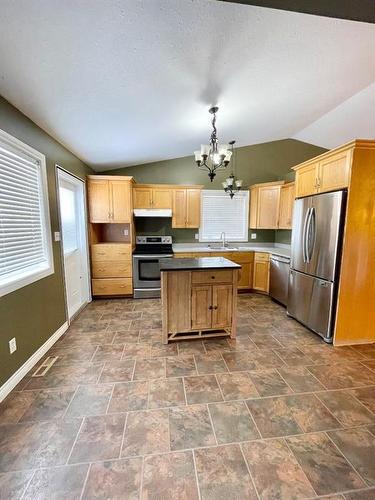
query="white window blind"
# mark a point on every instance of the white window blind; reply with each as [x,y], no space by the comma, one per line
[220,213]
[25,241]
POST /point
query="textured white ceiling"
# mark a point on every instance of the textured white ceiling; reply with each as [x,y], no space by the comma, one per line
[122,82]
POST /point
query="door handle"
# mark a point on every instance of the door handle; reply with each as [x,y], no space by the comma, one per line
[310,243]
[304,254]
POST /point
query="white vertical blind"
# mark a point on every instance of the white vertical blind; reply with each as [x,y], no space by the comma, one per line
[220,213]
[24,242]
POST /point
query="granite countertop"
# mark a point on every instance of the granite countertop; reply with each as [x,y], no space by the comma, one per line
[284,250]
[200,263]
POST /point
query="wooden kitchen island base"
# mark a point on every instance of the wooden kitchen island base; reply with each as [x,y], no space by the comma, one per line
[199,298]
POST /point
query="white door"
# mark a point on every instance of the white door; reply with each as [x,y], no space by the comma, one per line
[74,241]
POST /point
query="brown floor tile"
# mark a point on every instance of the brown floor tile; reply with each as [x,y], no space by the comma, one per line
[216,345]
[265,341]
[166,392]
[68,354]
[117,371]
[159,350]
[300,379]
[361,495]
[239,361]
[273,417]
[186,347]
[358,446]
[293,356]
[146,432]
[60,482]
[346,375]
[111,352]
[150,335]
[237,385]
[146,324]
[137,351]
[323,464]
[371,428]
[241,344]
[99,439]
[269,383]
[31,445]
[210,363]
[80,339]
[48,405]
[114,325]
[13,484]
[169,477]
[90,400]
[310,413]
[67,376]
[180,366]
[202,389]
[126,336]
[369,364]
[117,480]
[232,422]
[367,351]
[190,427]
[147,369]
[14,406]
[129,396]
[346,408]
[366,395]
[275,471]
[222,474]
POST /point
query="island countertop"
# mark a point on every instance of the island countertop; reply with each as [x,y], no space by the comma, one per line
[200,263]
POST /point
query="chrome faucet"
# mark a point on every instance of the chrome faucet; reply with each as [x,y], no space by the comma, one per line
[222,237]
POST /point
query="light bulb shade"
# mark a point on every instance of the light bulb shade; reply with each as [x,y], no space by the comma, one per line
[229,181]
[239,183]
[224,184]
[228,156]
[223,149]
[198,156]
[216,158]
[205,149]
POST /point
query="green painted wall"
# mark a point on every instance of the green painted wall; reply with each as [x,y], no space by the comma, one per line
[265,162]
[33,313]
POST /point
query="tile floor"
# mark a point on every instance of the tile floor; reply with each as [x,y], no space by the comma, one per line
[274,414]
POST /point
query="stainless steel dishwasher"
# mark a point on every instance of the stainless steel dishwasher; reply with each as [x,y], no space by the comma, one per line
[279,278]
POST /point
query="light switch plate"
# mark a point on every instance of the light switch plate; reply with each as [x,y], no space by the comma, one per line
[126,232]
[12,345]
[57,236]
[253,236]
[196,236]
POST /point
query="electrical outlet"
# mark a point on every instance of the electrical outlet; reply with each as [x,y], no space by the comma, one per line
[126,232]
[12,345]
[253,236]
[196,236]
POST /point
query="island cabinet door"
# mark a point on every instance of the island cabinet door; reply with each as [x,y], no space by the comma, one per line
[201,307]
[222,306]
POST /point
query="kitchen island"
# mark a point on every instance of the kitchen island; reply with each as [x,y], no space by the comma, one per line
[199,298]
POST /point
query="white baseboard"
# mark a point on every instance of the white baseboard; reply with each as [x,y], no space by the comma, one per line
[11,383]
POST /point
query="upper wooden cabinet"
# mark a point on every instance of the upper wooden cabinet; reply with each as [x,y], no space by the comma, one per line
[152,196]
[264,205]
[286,206]
[330,173]
[109,199]
[186,208]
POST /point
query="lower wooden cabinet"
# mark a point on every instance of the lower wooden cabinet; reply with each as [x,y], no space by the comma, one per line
[221,306]
[201,313]
[261,275]
[111,269]
[211,306]
[112,286]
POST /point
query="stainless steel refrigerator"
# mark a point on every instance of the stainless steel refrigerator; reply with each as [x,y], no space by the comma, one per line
[315,261]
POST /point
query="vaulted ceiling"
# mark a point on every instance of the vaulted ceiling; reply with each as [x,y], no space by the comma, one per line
[123,82]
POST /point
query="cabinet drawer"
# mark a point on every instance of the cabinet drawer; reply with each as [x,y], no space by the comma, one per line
[262,256]
[241,257]
[111,269]
[213,276]
[109,251]
[112,286]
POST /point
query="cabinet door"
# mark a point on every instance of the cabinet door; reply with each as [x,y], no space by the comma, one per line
[261,276]
[253,216]
[179,208]
[286,206]
[162,198]
[201,307]
[193,208]
[334,172]
[120,198]
[245,276]
[222,296]
[99,201]
[142,197]
[306,180]
[268,207]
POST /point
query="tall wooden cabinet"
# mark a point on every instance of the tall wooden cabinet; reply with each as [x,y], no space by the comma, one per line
[264,205]
[286,206]
[109,199]
[186,209]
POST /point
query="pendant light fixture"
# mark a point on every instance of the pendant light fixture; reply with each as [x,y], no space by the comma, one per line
[213,157]
[232,185]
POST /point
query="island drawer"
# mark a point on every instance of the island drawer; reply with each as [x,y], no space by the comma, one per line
[110,251]
[111,269]
[214,276]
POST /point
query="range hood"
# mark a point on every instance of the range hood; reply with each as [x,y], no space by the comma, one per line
[152,212]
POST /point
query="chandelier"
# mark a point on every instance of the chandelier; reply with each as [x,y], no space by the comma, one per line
[232,185]
[213,157]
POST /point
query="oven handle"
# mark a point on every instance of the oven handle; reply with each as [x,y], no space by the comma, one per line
[149,256]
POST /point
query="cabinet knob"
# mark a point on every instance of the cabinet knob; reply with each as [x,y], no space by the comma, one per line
[210,308]
[212,277]
[215,307]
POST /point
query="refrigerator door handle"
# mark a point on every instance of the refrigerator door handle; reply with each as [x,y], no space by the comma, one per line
[311,235]
[304,239]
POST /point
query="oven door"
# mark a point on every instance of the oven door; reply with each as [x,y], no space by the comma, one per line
[146,270]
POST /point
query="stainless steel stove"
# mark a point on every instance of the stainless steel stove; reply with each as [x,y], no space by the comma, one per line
[146,269]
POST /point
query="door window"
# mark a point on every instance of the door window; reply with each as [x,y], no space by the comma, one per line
[68,220]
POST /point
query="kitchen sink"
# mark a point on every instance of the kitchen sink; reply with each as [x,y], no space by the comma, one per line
[221,248]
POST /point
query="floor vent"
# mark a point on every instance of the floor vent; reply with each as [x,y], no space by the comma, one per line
[45,366]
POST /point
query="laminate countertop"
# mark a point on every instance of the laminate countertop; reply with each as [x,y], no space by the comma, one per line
[201,248]
[198,264]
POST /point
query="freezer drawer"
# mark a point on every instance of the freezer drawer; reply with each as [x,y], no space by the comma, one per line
[310,301]
[279,278]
